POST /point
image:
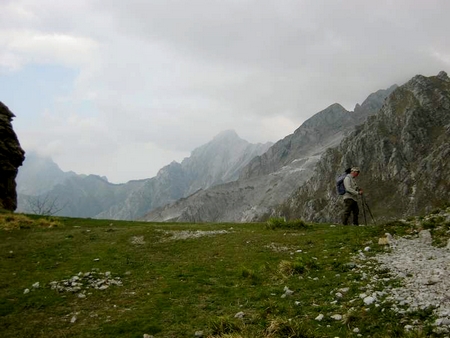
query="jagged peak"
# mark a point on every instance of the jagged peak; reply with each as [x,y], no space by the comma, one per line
[443,76]
[227,134]
[326,116]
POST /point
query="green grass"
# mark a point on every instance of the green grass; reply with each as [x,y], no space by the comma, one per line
[173,288]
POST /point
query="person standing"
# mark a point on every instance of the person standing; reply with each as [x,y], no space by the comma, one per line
[351,197]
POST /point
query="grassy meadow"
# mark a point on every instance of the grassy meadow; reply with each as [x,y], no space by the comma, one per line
[185,280]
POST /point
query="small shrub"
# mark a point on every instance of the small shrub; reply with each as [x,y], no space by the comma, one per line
[223,325]
[16,222]
[430,224]
[287,328]
[281,223]
[250,274]
[290,268]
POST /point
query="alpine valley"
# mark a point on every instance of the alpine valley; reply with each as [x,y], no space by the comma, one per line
[399,137]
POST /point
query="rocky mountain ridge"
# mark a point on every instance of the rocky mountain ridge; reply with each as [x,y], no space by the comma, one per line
[271,177]
[403,154]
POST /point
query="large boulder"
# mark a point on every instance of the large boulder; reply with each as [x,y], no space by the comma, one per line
[11,158]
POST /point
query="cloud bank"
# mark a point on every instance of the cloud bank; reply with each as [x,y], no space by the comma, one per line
[123,88]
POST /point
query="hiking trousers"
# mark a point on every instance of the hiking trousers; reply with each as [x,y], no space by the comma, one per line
[351,207]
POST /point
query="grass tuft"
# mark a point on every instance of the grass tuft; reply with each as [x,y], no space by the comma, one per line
[281,223]
[18,221]
[221,326]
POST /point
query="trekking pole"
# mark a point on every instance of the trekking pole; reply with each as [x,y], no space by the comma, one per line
[364,210]
[370,212]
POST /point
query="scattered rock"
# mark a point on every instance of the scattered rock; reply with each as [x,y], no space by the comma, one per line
[186,234]
[287,292]
[369,300]
[26,291]
[138,240]
[239,315]
[89,280]
[425,237]
[337,317]
[319,317]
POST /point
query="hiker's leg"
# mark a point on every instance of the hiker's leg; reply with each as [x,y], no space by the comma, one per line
[347,210]
[355,213]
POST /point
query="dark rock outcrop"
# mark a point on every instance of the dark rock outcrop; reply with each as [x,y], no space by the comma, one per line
[11,157]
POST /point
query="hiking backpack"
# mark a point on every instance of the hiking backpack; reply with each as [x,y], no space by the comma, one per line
[340,182]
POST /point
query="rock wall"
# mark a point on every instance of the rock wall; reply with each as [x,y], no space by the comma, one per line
[11,158]
[403,154]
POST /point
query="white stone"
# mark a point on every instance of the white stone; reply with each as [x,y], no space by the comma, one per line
[337,317]
[425,237]
[369,300]
[73,319]
[356,330]
[35,285]
[319,317]
[239,315]
[367,248]
[26,291]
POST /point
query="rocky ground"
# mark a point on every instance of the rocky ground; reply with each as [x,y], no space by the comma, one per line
[423,272]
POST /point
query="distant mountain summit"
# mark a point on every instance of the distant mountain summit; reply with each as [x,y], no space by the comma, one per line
[39,174]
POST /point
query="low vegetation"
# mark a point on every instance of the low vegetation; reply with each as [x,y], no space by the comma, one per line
[67,277]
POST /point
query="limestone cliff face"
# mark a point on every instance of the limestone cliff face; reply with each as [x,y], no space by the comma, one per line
[403,153]
[325,129]
[11,157]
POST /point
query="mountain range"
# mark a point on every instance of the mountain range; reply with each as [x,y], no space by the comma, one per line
[398,136]
[272,177]
[41,181]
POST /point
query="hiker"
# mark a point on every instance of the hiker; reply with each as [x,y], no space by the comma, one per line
[351,197]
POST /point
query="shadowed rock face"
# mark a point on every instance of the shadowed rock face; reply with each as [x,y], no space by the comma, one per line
[11,158]
[403,154]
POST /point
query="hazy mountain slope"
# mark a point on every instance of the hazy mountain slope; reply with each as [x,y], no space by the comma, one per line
[81,196]
[403,153]
[39,174]
[272,177]
[218,161]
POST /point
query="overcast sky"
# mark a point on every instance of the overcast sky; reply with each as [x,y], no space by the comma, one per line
[122,88]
